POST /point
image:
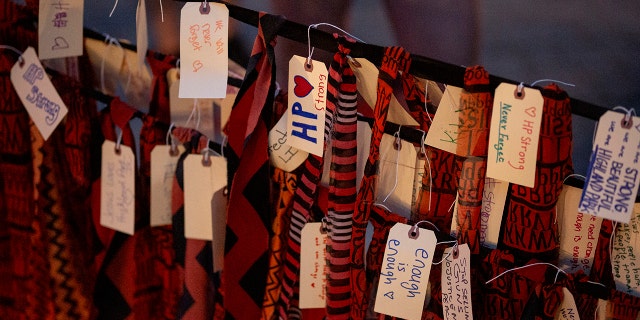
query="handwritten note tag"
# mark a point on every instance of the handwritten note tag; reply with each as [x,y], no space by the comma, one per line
[117,188]
[404,275]
[443,133]
[313,265]
[163,169]
[281,154]
[578,233]
[60,28]
[494,197]
[307,103]
[204,36]
[200,183]
[514,135]
[626,255]
[456,283]
[567,309]
[612,179]
[39,97]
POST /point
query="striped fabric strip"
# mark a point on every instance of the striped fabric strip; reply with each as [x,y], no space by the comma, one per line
[473,137]
[341,94]
[394,60]
[342,183]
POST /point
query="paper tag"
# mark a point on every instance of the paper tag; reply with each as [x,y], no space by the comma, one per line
[612,179]
[39,97]
[514,135]
[219,227]
[404,275]
[184,115]
[200,183]
[443,132]
[456,283]
[117,188]
[313,266]
[578,233]
[142,36]
[60,28]
[281,154]
[626,255]
[494,197]
[567,309]
[204,36]
[307,103]
[163,170]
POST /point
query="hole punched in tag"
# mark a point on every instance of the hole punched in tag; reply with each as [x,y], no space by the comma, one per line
[206,157]
[324,226]
[205,8]
[519,92]
[414,231]
[627,120]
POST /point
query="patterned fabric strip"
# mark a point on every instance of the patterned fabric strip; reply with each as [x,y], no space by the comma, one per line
[249,219]
[394,60]
[286,187]
[342,183]
[531,226]
[474,119]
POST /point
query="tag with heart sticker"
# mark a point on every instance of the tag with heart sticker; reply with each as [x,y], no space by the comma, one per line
[514,134]
[307,102]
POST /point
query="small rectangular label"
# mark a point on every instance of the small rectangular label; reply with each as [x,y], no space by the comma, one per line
[60,28]
[612,178]
[204,37]
[307,104]
[626,255]
[117,188]
[313,266]
[456,283]
[443,132]
[404,275]
[39,97]
[163,170]
[514,135]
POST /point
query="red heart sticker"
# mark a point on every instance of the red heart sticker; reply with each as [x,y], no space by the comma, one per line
[302,86]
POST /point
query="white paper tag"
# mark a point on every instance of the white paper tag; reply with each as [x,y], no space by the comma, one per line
[200,183]
[184,115]
[281,154]
[612,179]
[404,275]
[163,169]
[494,197]
[39,97]
[219,227]
[142,36]
[514,135]
[578,233]
[117,188]
[307,105]
[626,255]
[568,309]
[443,132]
[313,266]
[60,28]
[456,283]
[204,37]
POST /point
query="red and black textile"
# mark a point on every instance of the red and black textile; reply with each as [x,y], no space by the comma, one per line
[342,94]
[529,225]
[438,188]
[198,297]
[249,219]
[473,137]
[395,59]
